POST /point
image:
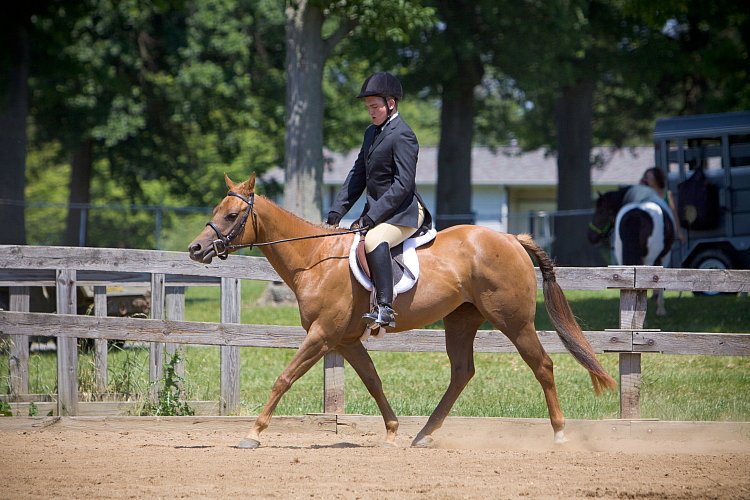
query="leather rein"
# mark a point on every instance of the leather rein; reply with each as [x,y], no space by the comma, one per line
[222,245]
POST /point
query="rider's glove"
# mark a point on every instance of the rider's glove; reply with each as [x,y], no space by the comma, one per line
[364,222]
[333,218]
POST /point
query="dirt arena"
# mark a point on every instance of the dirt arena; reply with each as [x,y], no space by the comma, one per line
[330,456]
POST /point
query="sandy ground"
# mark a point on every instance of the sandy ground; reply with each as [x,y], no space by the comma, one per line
[341,457]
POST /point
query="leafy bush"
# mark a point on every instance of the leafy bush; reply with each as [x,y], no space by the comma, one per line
[169,399]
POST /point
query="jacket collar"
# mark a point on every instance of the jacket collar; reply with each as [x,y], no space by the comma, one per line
[385,130]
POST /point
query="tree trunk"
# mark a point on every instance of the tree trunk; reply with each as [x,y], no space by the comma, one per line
[573,115]
[454,152]
[80,193]
[14,66]
[303,162]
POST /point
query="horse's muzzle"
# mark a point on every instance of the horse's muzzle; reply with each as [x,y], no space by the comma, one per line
[200,254]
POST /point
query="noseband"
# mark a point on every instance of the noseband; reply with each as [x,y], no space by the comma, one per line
[222,244]
[601,231]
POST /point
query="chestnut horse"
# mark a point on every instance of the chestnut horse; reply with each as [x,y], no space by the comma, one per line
[469,274]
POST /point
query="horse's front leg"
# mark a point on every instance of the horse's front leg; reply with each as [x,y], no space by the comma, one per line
[312,349]
[360,359]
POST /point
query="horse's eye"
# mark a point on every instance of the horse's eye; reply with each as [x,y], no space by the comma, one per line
[231,217]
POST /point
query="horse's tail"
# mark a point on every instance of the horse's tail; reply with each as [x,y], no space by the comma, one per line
[562,318]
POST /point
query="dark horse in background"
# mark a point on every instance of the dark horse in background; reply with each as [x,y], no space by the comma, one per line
[643,230]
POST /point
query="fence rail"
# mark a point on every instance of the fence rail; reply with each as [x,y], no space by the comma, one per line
[168,273]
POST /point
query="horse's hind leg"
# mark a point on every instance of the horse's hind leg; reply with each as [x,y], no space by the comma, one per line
[460,329]
[533,353]
[359,358]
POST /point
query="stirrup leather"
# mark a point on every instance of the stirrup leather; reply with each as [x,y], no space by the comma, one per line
[383,315]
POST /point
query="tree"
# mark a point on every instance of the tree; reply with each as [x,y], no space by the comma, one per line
[602,71]
[173,93]
[90,91]
[306,53]
[569,64]
[314,29]
[444,61]
[14,70]
[457,52]
[703,54]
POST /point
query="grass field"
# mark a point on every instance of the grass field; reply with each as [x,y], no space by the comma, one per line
[674,387]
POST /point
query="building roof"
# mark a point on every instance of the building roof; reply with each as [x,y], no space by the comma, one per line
[507,166]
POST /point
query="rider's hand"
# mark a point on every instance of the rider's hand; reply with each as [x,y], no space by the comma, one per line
[364,222]
[333,218]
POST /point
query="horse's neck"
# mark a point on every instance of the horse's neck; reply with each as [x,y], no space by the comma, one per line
[273,223]
[618,198]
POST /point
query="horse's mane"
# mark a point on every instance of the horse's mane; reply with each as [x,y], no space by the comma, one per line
[297,218]
[617,196]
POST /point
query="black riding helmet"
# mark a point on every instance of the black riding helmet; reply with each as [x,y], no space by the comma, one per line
[382,84]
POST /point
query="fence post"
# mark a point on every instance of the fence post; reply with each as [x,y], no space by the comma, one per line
[100,345]
[19,345]
[230,355]
[176,312]
[633,304]
[67,348]
[156,349]
[333,383]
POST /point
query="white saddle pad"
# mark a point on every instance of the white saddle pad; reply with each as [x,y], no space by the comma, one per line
[409,279]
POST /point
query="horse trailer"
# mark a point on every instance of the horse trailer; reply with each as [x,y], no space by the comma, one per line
[707,162]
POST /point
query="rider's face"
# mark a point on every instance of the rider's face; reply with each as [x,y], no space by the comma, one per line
[377,109]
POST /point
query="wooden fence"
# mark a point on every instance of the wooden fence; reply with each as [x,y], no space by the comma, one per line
[169,273]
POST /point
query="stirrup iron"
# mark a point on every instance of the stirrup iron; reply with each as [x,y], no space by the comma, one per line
[383,315]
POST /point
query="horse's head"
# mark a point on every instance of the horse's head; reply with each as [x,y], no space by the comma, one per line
[604,218]
[230,223]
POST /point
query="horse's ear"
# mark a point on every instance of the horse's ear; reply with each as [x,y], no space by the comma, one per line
[251,183]
[230,184]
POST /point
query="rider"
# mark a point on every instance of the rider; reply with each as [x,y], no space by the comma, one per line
[386,168]
[655,178]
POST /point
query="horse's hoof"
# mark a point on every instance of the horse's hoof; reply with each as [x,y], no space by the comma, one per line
[560,438]
[248,444]
[422,442]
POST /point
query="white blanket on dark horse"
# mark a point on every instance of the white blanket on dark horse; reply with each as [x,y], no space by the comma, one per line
[655,241]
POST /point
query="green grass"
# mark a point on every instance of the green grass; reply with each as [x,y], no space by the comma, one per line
[673,387]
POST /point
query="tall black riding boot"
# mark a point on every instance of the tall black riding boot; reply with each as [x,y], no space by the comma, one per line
[379,262]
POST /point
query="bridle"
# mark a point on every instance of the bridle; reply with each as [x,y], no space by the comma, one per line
[601,231]
[222,244]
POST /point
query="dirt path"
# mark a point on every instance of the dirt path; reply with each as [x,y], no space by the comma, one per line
[325,457]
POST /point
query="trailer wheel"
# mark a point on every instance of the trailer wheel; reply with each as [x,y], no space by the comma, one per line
[711,259]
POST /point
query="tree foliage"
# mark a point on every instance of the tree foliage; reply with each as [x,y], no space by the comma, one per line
[169,94]
[315,31]
[171,91]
